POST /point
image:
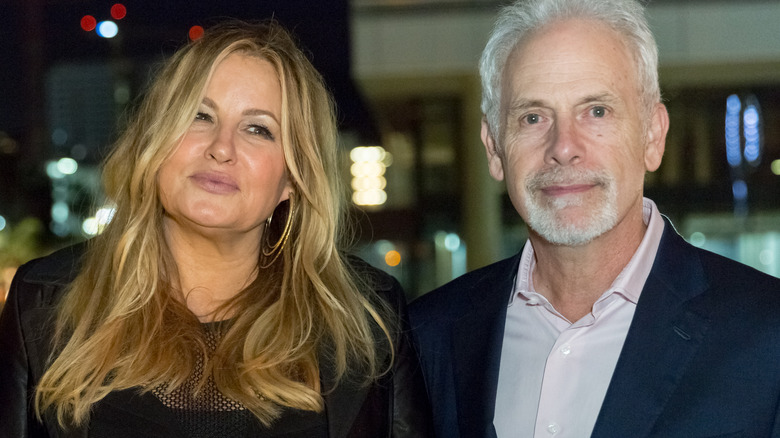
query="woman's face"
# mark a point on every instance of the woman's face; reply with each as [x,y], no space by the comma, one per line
[228,173]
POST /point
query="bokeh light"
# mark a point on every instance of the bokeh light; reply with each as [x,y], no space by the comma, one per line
[393,258]
[67,166]
[698,239]
[118,11]
[776,167]
[369,164]
[90,226]
[196,32]
[740,189]
[107,29]
[88,23]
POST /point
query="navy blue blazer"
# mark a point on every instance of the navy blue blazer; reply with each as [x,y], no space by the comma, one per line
[701,358]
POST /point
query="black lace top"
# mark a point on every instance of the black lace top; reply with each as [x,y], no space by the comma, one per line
[212,414]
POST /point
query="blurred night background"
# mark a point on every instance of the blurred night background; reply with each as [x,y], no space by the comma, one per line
[404,76]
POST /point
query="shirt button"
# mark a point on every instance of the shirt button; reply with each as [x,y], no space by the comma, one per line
[553,428]
[565,349]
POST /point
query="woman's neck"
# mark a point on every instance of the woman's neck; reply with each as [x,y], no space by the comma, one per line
[212,269]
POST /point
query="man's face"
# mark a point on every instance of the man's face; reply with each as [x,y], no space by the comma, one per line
[575,140]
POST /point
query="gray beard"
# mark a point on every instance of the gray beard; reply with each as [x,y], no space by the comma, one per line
[543,216]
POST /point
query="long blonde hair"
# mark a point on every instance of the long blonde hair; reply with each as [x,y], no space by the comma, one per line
[120,325]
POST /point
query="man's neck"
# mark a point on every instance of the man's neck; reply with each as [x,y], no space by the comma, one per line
[573,278]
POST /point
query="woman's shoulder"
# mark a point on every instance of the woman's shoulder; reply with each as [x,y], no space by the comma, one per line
[380,282]
[59,267]
[57,270]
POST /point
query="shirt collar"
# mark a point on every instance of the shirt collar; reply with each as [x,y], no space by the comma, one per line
[631,280]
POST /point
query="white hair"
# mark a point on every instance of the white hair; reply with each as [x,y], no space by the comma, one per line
[522,18]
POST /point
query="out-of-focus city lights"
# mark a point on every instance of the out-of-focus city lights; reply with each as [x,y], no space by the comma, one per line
[67,166]
[107,29]
[698,239]
[196,32]
[393,258]
[59,136]
[60,212]
[118,11]
[7,144]
[749,136]
[752,136]
[88,23]
[452,242]
[776,167]
[95,225]
[52,171]
[104,215]
[740,189]
[368,169]
[90,226]
[78,151]
[733,140]
[448,241]
[2,223]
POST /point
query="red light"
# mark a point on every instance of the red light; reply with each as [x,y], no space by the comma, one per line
[196,32]
[118,11]
[88,23]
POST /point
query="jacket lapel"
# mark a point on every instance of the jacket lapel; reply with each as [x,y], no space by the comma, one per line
[343,400]
[666,331]
[477,340]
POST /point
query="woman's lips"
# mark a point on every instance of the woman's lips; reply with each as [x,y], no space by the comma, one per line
[217,183]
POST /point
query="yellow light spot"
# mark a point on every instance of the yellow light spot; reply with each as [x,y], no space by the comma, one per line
[393,258]
[776,167]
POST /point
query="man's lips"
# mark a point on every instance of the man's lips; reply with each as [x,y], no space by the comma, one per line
[213,182]
[569,189]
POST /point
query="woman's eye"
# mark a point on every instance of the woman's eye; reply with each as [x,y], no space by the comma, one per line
[203,117]
[261,131]
[598,111]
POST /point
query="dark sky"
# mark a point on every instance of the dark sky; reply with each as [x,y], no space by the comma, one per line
[36,34]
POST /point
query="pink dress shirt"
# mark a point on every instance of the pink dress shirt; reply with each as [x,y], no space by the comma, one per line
[554,373]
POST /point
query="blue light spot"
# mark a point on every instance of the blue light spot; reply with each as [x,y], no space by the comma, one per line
[733,104]
[733,140]
[751,116]
[752,135]
[107,29]
[740,190]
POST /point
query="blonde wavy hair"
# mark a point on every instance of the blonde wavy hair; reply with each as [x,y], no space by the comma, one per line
[121,324]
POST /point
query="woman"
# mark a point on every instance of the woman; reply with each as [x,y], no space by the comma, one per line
[216,302]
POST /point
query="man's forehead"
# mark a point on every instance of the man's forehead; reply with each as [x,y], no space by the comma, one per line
[570,54]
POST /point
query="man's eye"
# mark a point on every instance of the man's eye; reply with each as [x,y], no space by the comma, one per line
[598,111]
[532,119]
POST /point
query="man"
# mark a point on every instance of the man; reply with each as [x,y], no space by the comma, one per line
[607,323]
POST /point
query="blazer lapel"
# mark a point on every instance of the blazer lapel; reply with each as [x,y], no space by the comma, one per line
[666,331]
[477,340]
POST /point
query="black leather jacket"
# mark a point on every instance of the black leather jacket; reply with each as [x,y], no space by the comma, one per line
[394,406]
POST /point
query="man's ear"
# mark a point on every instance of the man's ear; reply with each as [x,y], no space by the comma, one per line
[495,165]
[656,137]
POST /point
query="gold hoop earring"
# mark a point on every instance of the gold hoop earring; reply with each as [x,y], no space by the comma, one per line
[272,252]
